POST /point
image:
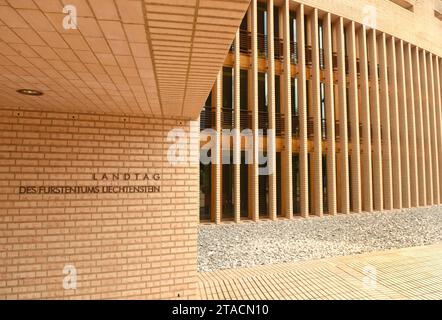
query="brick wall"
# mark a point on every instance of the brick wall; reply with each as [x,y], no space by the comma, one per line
[122,245]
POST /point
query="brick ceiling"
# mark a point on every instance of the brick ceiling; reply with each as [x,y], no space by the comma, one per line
[134,57]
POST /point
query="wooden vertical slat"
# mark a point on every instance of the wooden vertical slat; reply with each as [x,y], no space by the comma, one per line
[438,107]
[378,201]
[217,157]
[414,179]
[433,129]
[287,154]
[302,92]
[253,173]
[237,127]
[385,122]
[366,125]
[394,124]
[330,115]
[419,127]
[403,125]
[427,131]
[271,142]
[343,132]
[316,108]
[354,119]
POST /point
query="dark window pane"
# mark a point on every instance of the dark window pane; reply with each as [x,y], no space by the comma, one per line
[227,190]
[227,88]
[244,89]
[244,185]
[209,100]
[205,191]
[277,94]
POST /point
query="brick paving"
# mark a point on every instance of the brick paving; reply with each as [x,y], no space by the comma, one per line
[407,273]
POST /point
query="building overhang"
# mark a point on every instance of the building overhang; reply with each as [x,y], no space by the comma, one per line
[134,57]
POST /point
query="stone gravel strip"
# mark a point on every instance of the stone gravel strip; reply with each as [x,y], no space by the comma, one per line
[268,242]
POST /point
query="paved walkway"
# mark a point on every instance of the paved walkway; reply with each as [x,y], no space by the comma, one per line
[408,273]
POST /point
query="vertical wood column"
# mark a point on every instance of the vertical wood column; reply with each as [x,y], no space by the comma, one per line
[366,125]
[287,102]
[316,106]
[237,127]
[403,125]
[414,179]
[302,92]
[354,119]
[217,158]
[394,124]
[427,131]
[271,139]
[375,120]
[330,115]
[253,173]
[438,107]
[419,128]
[385,122]
[343,132]
[433,130]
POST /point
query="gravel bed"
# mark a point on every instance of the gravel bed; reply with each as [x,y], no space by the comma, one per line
[268,242]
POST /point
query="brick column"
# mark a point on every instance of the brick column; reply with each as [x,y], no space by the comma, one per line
[394,125]
[403,125]
[343,132]
[419,128]
[438,107]
[217,157]
[287,103]
[385,122]
[237,127]
[302,92]
[330,115]
[367,199]
[433,130]
[354,119]
[427,131]
[375,122]
[316,107]
[271,141]
[253,100]
[414,179]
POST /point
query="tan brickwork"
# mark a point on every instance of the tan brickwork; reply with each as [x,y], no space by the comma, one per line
[271,152]
[217,163]
[353,107]
[403,124]
[419,127]
[131,245]
[438,94]
[287,187]
[426,126]
[367,177]
[378,196]
[302,104]
[433,129]
[414,179]
[343,132]
[407,273]
[394,124]
[253,92]
[385,122]
[316,106]
[237,136]
[330,116]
